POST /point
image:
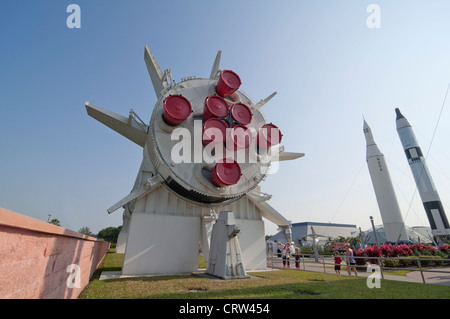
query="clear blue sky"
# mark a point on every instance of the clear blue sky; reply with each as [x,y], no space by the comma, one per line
[328,68]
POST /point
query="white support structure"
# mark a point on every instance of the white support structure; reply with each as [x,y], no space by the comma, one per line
[182,222]
[225,259]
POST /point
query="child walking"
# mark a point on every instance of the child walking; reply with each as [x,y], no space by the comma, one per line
[337,263]
[297,259]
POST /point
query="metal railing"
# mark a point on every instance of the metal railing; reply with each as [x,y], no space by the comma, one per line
[275,261]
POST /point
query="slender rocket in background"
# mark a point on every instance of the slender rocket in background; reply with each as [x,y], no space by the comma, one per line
[427,190]
[384,190]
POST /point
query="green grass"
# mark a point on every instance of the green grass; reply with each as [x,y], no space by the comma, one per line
[201,263]
[112,262]
[396,272]
[284,284]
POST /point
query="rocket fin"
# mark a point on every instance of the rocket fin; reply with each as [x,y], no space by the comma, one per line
[279,155]
[288,156]
[126,127]
[215,68]
[261,103]
[137,193]
[159,81]
[267,211]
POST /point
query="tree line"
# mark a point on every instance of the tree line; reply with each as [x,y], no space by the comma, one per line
[108,234]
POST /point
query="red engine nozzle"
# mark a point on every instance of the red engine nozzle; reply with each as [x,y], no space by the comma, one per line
[176,109]
[215,106]
[228,83]
[214,130]
[226,172]
[239,137]
[269,135]
[241,113]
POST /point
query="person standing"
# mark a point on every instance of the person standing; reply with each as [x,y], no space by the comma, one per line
[351,261]
[297,258]
[287,251]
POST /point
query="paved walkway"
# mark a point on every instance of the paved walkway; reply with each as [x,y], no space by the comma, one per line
[437,278]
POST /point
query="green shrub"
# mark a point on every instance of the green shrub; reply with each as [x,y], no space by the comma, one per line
[424,262]
[441,254]
[408,261]
[437,260]
[201,262]
[391,262]
[422,253]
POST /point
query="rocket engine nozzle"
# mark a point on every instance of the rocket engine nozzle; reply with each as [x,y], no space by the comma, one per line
[228,83]
[176,109]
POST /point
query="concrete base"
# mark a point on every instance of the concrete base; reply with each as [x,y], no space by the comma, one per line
[166,244]
[161,244]
[252,243]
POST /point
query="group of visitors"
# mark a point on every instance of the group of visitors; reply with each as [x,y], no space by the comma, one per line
[288,251]
[349,259]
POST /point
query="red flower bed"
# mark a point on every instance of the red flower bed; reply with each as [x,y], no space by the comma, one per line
[403,250]
[421,248]
[389,250]
[445,249]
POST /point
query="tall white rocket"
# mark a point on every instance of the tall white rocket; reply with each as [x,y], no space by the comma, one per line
[384,190]
[425,185]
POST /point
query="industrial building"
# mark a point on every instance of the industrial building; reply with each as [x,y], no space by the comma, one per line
[325,231]
[414,235]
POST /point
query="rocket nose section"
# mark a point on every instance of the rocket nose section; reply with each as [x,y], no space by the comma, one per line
[401,120]
[366,127]
[399,114]
[368,134]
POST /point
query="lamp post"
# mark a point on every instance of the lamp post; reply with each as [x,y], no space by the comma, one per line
[374,232]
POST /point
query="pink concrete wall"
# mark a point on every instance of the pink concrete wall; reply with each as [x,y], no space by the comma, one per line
[35,256]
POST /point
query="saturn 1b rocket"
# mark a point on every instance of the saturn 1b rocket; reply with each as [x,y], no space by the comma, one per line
[428,193]
[384,190]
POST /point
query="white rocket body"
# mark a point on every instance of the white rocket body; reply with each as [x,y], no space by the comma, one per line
[173,205]
[384,191]
[425,185]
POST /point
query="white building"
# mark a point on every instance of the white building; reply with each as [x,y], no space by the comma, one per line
[326,232]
